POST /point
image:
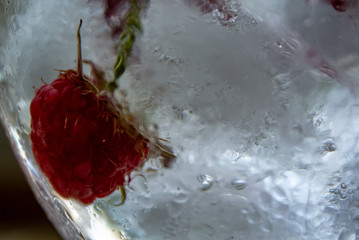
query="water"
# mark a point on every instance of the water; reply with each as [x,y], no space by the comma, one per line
[258,100]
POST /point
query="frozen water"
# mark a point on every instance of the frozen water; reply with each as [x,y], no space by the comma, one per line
[259,105]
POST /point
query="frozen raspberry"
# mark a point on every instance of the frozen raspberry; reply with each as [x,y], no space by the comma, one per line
[224,10]
[342,5]
[80,140]
[117,13]
[208,6]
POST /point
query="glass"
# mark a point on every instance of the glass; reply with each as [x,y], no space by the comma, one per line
[257,99]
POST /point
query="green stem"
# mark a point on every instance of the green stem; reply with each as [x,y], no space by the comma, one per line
[127,40]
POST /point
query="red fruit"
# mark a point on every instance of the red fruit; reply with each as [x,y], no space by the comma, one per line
[83,142]
[208,6]
[116,13]
[79,140]
[342,5]
[223,9]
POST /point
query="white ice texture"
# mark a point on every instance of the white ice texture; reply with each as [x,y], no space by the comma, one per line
[261,110]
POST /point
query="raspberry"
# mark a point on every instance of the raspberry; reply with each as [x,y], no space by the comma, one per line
[342,5]
[78,140]
[224,10]
[339,5]
[81,141]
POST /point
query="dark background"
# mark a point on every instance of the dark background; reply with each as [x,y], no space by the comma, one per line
[21,217]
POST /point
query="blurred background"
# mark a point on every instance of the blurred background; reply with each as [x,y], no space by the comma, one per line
[21,217]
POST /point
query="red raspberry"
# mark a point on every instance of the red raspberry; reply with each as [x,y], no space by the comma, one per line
[223,9]
[342,5]
[81,142]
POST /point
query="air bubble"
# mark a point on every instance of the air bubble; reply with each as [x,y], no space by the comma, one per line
[206,181]
[180,196]
[330,147]
[239,183]
[335,191]
[319,122]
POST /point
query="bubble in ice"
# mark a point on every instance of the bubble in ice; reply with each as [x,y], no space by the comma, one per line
[318,122]
[329,147]
[206,181]
[343,196]
[335,191]
[239,183]
[180,196]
